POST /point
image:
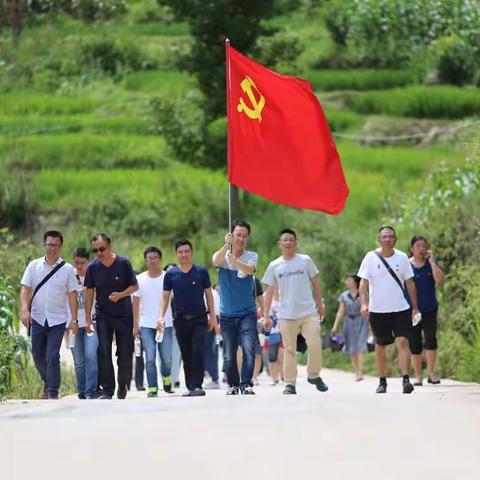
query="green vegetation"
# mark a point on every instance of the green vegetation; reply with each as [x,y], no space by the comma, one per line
[419,102]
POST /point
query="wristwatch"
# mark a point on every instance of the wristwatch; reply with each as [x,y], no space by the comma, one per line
[74,321]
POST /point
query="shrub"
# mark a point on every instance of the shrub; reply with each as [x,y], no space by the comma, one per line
[456,62]
[419,102]
[279,51]
[360,79]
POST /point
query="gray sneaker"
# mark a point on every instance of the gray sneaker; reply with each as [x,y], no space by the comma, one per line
[233,391]
[246,390]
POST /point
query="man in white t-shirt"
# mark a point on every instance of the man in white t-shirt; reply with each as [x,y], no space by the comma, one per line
[300,311]
[384,274]
[146,310]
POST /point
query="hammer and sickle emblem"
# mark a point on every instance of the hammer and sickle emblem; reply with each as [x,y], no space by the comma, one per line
[255,112]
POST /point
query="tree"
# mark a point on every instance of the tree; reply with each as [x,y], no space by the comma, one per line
[210,23]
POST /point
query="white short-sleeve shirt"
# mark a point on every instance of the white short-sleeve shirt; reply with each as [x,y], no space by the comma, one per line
[150,290]
[385,295]
[51,301]
[293,278]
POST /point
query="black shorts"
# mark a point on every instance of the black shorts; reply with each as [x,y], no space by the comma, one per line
[388,326]
[429,327]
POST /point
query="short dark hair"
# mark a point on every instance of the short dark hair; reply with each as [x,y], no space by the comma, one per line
[82,253]
[290,231]
[417,238]
[387,227]
[54,234]
[355,277]
[152,250]
[101,236]
[181,243]
[240,223]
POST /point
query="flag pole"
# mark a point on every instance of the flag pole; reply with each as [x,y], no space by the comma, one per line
[228,85]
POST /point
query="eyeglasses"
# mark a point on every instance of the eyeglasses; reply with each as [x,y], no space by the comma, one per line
[99,249]
[53,245]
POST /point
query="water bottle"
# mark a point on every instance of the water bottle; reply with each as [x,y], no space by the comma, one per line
[71,340]
[138,347]
[218,339]
[90,330]
[159,337]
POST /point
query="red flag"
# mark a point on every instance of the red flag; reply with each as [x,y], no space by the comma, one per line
[279,143]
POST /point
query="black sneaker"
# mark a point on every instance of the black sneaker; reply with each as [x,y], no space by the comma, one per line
[433,380]
[233,391]
[105,396]
[198,392]
[167,385]
[176,385]
[82,396]
[122,392]
[318,382]
[140,388]
[246,390]
[289,390]
[407,386]
[382,388]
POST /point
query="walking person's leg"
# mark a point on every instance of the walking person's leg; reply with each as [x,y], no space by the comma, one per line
[105,338]
[165,349]
[150,348]
[289,330]
[199,331]
[382,325]
[39,346]
[176,360]
[184,334]
[248,339]
[52,356]
[78,353]
[310,330]
[230,346]
[403,331]
[416,348]
[211,355]
[139,370]
[430,328]
[91,365]
[123,335]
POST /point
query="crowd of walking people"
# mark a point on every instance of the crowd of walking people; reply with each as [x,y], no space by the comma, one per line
[171,314]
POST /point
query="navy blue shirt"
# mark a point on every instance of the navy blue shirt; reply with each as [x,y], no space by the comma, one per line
[106,280]
[425,284]
[188,290]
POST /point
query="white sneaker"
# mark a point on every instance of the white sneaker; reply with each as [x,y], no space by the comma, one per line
[212,385]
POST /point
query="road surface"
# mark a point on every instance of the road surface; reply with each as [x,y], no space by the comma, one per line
[347,433]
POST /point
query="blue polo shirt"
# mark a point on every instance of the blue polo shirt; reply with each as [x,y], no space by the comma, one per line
[106,280]
[188,290]
[425,284]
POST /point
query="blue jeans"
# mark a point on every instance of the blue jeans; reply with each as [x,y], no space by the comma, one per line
[239,331]
[85,359]
[164,349]
[211,355]
[176,359]
[46,343]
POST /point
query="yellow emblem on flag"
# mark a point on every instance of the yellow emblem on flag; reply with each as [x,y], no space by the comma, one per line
[255,111]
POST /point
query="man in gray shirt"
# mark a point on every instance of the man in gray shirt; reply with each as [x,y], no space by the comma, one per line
[45,310]
[299,311]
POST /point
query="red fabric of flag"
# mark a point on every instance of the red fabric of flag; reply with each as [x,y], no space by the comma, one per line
[279,143]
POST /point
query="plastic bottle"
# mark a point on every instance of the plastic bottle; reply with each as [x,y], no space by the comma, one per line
[159,337]
[138,347]
[71,340]
[218,339]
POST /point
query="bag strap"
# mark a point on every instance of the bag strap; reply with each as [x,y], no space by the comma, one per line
[44,281]
[392,273]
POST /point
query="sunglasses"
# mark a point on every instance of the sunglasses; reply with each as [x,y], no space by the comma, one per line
[99,249]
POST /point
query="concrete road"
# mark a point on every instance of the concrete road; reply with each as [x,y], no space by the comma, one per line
[347,433]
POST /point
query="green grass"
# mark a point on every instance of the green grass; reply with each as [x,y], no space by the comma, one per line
[84,151]
[343,120]
[419,102]
[169,82]
[13,126]
[359,79]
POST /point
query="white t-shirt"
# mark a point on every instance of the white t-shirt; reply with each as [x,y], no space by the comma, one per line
[385,295]
[293,277]
[150,293]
